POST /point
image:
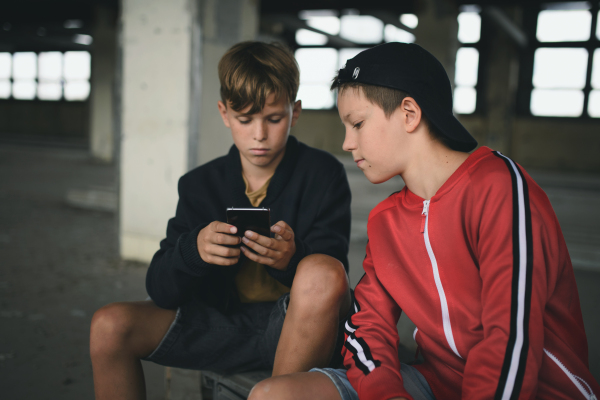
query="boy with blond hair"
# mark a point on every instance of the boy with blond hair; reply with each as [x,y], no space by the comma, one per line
[215,304]
[470,249]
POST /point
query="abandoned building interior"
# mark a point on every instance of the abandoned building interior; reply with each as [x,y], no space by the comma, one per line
[104,104]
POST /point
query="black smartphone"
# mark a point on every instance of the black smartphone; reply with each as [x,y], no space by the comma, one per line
[250,219]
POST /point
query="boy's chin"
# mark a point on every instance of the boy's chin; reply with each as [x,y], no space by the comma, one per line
[376,179]
[260,161]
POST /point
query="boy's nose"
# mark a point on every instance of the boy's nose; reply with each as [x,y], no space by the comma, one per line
[260,133]
[349,144]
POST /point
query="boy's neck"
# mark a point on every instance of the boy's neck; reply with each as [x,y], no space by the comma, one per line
[431,165]
[257,175]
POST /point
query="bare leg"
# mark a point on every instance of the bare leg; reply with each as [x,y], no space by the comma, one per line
[319,298]
[121,334]
[299,386]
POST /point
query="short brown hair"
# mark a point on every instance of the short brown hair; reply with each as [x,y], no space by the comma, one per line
[250,71]
[388,100]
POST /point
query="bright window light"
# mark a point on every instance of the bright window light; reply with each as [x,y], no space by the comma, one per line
[306,14]
[410,20]
[317,68]
[77,90]
[393,34]
[317,65]
[467,65]
[5,65]
[563,68]
[77,65]
[465,99]
[556,103]
[346,54]
[594,104]
[361,28]
[24,89]
[329,24]
[304,37]
[24,65]
[564,25]
[469,27]
[50,66]
[315,97]
[49,91]
[598,28]
[83,39]
[4,89]
[596,70]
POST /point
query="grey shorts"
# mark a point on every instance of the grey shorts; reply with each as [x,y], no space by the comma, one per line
[203,338]
[414,383]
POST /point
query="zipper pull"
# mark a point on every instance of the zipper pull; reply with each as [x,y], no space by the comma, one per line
[424,214]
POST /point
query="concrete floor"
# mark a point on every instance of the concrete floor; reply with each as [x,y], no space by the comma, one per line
[59,264]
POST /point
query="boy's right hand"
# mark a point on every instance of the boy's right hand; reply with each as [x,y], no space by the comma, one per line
[212,242]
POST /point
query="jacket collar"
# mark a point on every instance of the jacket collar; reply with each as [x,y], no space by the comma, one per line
[282,176]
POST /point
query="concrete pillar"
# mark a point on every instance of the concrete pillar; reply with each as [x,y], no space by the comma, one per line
[157,45]
[170,121]
[437,32]
[102,84]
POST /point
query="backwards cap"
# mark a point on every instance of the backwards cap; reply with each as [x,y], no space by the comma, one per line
[412,69]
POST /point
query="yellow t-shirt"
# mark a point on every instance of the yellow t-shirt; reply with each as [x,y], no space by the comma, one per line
[253,282]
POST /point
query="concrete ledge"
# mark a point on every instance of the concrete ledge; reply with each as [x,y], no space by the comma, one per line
[137,247]
[93,199]
[232,387]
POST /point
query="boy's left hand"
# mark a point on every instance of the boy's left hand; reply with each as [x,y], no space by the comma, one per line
[274,252]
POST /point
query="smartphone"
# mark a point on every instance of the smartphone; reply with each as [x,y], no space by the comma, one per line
[250,219]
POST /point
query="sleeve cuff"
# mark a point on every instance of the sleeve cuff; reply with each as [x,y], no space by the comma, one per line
[382,384]
[188,248]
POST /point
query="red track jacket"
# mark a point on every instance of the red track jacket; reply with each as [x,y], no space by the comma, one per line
[483,271]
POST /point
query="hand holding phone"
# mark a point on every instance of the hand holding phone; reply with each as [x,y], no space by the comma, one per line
[212,244]
[250,219]
[275,252]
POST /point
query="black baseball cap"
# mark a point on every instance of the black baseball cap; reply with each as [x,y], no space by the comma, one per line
[414,70]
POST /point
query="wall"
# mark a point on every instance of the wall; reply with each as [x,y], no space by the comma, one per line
[45,118]
[321,129]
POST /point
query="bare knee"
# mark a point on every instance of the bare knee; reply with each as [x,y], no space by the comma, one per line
[271,389]
[320,279]
[111,328]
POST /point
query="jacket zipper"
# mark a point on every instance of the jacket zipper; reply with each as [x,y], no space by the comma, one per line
[438,283]
[577,381]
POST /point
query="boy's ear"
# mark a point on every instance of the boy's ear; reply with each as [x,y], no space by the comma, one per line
[223,112]
[296,110]
[411,114]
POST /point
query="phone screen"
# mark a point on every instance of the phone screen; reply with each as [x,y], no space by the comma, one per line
[250,219]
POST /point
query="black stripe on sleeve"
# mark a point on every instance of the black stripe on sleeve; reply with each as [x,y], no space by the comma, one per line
[510,346]
[528,288]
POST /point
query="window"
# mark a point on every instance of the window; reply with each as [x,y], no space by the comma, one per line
[319,62]
[565,79]
[467,60]
[46,76]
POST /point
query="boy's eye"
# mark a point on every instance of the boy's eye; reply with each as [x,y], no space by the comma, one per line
[244,121]
[275,120]
[358,125]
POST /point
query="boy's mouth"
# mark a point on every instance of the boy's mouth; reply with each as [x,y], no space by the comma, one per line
[359,161]
[259,152]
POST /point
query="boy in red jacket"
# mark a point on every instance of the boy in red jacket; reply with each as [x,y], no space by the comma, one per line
[470,250]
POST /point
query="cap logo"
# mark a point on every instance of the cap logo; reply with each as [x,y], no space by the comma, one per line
[355,73]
